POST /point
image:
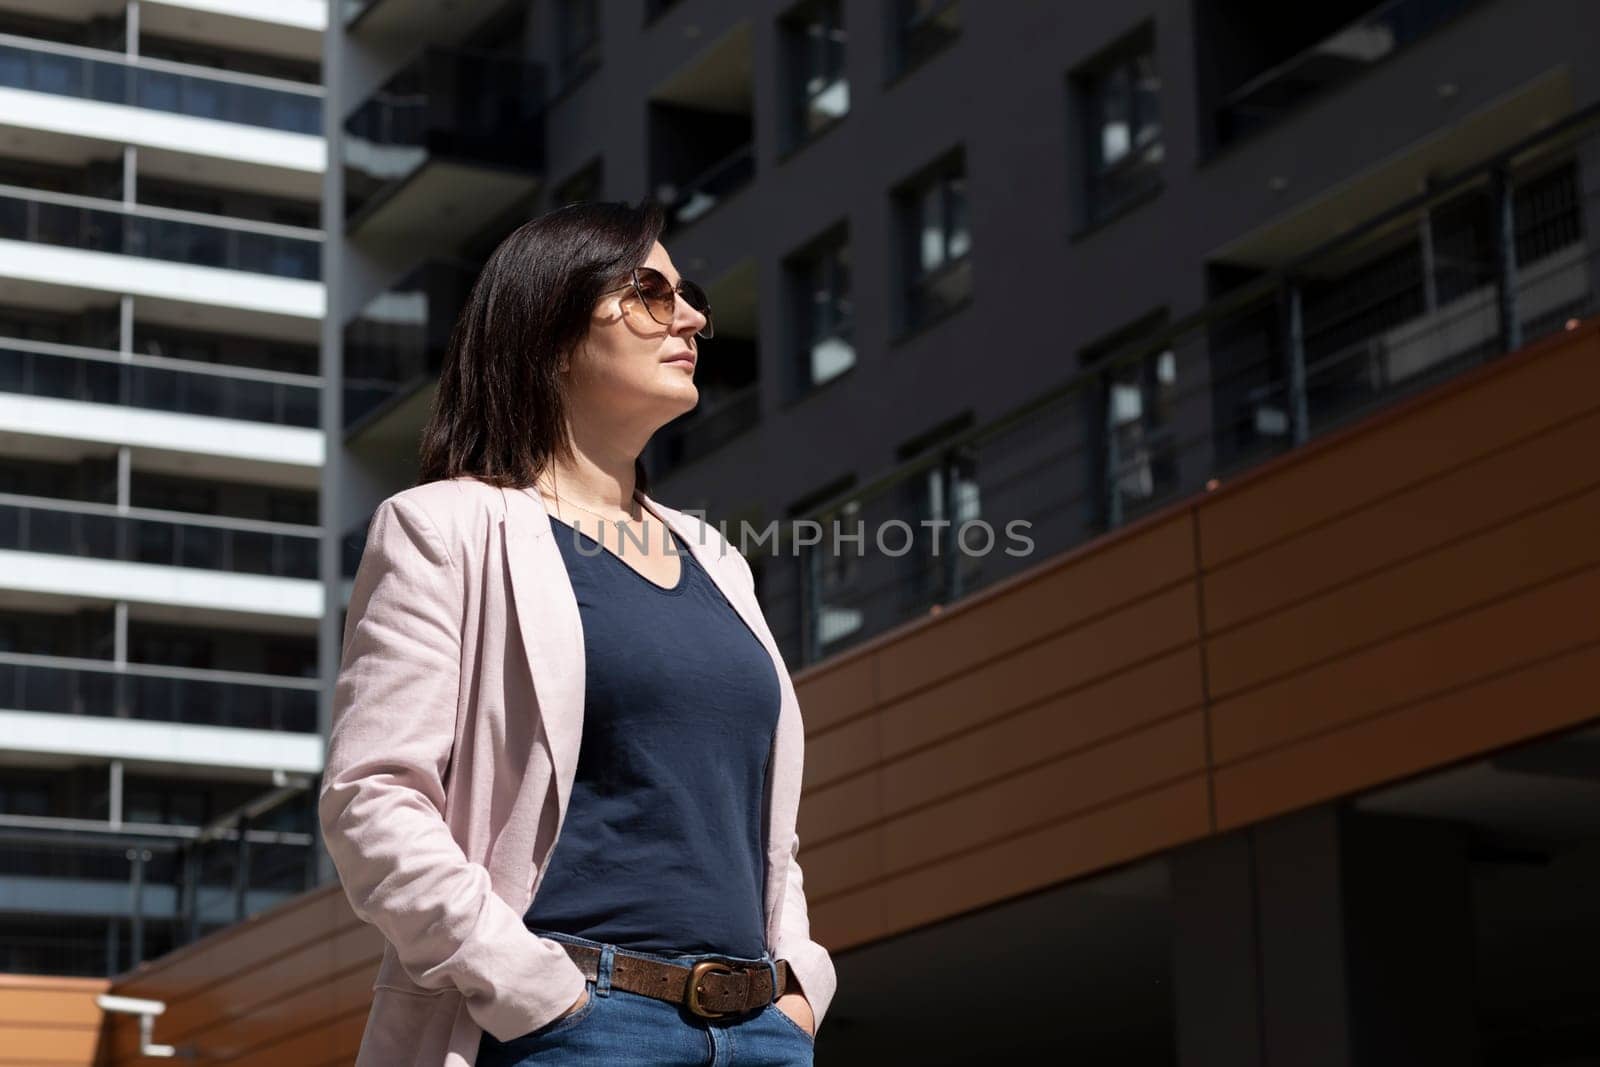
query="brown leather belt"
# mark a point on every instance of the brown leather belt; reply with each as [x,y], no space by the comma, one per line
[710,988]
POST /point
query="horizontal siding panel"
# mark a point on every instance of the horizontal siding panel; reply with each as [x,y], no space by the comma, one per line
[1560,382]
[836,866]
[32,1005]
[957,738]
[46,1046]
[1084,586]
[1468,722]
[845,750]
[1083,654]
[838,809]
[194,968]
[1479,495]
[1533,549]
[1137,827]
[835,692]
[1490,640]
[261,1029]
[1045,794]
[846,919]
[1015,803]
[314,1044]
[231,1002]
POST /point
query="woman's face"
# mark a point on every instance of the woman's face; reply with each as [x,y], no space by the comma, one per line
[633,373]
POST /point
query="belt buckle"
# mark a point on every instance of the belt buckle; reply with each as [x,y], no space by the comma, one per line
[692,998]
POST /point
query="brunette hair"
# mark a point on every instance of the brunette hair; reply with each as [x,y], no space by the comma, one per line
[501,410]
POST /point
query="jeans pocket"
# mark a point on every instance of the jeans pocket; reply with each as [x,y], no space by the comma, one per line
[772,1008]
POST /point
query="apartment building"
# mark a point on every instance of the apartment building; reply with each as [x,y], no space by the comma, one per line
[161,298]
[1276,326]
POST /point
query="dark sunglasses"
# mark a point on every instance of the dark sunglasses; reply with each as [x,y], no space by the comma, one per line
[660,298]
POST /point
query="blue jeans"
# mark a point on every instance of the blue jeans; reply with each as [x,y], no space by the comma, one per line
[617,1028]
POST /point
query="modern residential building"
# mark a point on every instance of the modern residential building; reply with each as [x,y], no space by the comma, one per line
[161,297]
[1277,743]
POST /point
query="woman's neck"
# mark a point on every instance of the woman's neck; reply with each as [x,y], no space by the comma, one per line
[591,486]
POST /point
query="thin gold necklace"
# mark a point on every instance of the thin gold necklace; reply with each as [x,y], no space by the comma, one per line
[642,520]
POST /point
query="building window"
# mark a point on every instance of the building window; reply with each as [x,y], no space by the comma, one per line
[820,278]
[942,497]
[818,93]
[832,607]
[921,29]
[1136,459]
[586,185]
[1119,95]
[936,243]
[578,30]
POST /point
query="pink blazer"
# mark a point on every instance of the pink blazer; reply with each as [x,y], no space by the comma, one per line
[456,721]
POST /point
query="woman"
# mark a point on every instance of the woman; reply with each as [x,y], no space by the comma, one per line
[537,651]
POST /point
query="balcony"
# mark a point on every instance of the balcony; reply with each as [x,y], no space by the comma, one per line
[157,85]
[702,130]
[71,372]
[145,888]
[395,346]
[697,194]
[445,146]
[68,686]
[162,538]
[92,225]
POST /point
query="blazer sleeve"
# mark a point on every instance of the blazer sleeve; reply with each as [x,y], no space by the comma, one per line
[810,963]
[382,799]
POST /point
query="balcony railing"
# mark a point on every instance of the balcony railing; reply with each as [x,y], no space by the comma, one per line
[461,105]
[159,85]
[70,372]
[698,195]
[166,538]
[95,225]
[1330,62]
[1493,258]
[146,693]
[148,888]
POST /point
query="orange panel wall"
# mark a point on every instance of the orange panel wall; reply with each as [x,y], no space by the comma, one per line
[49,1022]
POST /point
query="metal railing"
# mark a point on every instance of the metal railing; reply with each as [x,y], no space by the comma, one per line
[159,85]
[147,693]
[72,372]
[149,888]
[142,535]
[1476,267]
[699,194]
[96,225]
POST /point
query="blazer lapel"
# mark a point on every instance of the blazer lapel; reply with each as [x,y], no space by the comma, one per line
[552,632]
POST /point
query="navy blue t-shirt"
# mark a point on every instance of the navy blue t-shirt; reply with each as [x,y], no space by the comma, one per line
[664,845]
